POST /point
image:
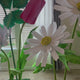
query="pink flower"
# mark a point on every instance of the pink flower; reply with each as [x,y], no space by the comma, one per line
[32,10]
[3,37]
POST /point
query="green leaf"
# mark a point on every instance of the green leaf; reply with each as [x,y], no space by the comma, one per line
[14,71]
[2,26]
[34,65]
[16,15]
[78,33]
[11,77]
[48,67]
[62,58]
[20,3]
[72,58]
[23,60]
[6,3]
[63,45]
[9,20]
[67,52]
[12,18]
[3,58]
[39,68]
[30,34]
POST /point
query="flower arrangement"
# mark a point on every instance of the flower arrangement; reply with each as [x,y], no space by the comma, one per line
[51,41]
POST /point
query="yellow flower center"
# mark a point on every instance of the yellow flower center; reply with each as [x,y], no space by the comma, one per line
[78,5]
[46,41]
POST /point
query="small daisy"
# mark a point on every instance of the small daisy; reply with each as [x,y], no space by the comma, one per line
[47,42]
[70,9]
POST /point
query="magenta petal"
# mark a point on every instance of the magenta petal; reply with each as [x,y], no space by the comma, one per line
[32,10]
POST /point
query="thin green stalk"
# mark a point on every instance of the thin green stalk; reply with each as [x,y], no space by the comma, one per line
[8,62]
[12,52]
[19,50]
[73,35]
[54,69]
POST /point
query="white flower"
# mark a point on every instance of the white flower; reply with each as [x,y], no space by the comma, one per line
[47,43]
[70,9]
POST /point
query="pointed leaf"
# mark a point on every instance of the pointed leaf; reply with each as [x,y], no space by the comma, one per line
[9,20]
[6,3]
[3,58]
[12,18]
[63,45]
[14,71]
[16,15]
[20,3]
[62,58]
[72,58]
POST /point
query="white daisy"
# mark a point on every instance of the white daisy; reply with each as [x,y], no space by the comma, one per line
[70,9]
[47,43]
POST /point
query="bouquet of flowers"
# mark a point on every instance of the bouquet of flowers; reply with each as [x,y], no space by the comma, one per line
[51,41]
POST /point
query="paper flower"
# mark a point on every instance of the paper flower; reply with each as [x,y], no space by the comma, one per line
[32,10]
[3,37]
[70,9]
[47,43]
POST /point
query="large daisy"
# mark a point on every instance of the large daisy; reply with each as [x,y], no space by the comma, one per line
[69,8]
[47,42]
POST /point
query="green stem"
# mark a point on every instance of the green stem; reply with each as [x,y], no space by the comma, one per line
[73,35]
[12,52]
[54,69]
[19,50]
[8,62]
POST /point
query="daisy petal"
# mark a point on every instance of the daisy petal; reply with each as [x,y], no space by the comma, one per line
[43,31]
[59,37]
[59,49]
[72,2]
[61,8]
[39,58]
[59,31]
[54,55]
[33,41]
[31,56]
[73,19]
[35,50]
[62,36]
[44,60]
[67,41]
[63,3]
[55,27]
[66,35]
[50,29]
[27,46]
[37,35]
[65,15]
